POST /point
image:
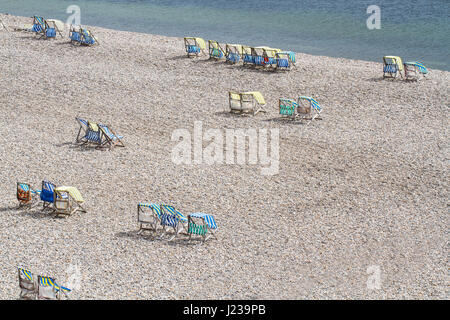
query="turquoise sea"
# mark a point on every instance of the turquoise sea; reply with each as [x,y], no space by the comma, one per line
[413,29]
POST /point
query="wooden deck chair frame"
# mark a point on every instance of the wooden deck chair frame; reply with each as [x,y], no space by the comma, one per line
[171,221]
[306,110]
[232,51]
[190,42]
[388,63]
[27,284]
[249,104]
[65,204]
[148,216]
[82,131]
[44,189]
[215,50]
[27,198]
[109,138]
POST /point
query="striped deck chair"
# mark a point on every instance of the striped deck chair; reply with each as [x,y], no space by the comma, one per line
[43,28]
[194,46]
[68,200]
[87,38]
[392,67]
[253,101]
[47,194]
[270,58]
[202,224]
[288,108]
[74,35]
[285,60]
[413,69]
[247,57]
[82,131]
[308,108]
[215,50]
[149,216]
[258,56]
[27,284]
[48,289]
[233,53]
[172,218]
[26,195]
[109,137]
[93,135]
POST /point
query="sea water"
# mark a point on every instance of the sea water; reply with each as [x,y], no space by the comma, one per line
[416,30]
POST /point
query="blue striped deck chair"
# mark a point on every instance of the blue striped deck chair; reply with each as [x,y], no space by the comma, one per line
[247,56]
[109,138]
[48,289]
[74,35]
[269,55]
[87,38]
[215,50]
[308,108]
[233,53]
[413,69]
[27,284]
[285,60]
[42,27]
[202,224]
[47,194]
[258,57]
[83,129]
[93,135]
[194,46]
[392,67]
[149,216]
[288,108]
[172,218]
[26,195]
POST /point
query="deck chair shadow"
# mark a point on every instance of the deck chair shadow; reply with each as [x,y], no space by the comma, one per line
[172,219]
[67,200]
[27,284]
[203,225]
[149,217]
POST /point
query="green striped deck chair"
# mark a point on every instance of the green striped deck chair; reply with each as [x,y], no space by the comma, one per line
[288,108]
[201,224]
[172,219]
[49,290]
[215,50]
[27,284]
[149,216]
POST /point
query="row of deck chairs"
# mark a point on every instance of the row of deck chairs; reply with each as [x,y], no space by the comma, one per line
[97,135]
[264,57]
[39,287]
[393,67]
[62,200]
[152,215]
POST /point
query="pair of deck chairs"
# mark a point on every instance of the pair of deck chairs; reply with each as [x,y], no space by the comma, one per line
[150,216]
[305,108]
[97,135]
[46,29]
[194,46]
[250,102]
[39,287]
[60,200]
[82,36]
[393,66]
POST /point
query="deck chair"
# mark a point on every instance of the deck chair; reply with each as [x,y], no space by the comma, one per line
[258,56]
[308,109]
[392,67]
[93,135]
[109,138]
[47,194]
[27,284]
[149,216]
[84,127]
[202,224]
[49,290]
[288,108]
[247,56]
[194,46]
[285,60]
[233,53]
[26,195]
[67,200]
[43,28]
[234,99]
[253,101]
[74,35]
[172,219]
[87,38]
[413,69]
[269,56]
[215,50]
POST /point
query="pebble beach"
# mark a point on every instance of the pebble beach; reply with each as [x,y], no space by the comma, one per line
[366,185]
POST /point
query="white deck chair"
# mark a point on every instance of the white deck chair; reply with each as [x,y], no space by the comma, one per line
[49,290]
[27,284]
[308,109]
[149,216]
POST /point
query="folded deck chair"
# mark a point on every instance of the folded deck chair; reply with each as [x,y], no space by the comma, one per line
[68,200]
[47,194]
[215,50]
[201,224]
[254,101]
[172,218]
[288,108]
[247,56]
[308,109]
[109,138]
[27,284]
[149,216]
[26,195]
[194,46]
[233,53]
[49,290]
[392,67]
[285,60]
[413,69]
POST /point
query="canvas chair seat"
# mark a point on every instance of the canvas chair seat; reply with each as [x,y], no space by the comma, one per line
[149,216]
